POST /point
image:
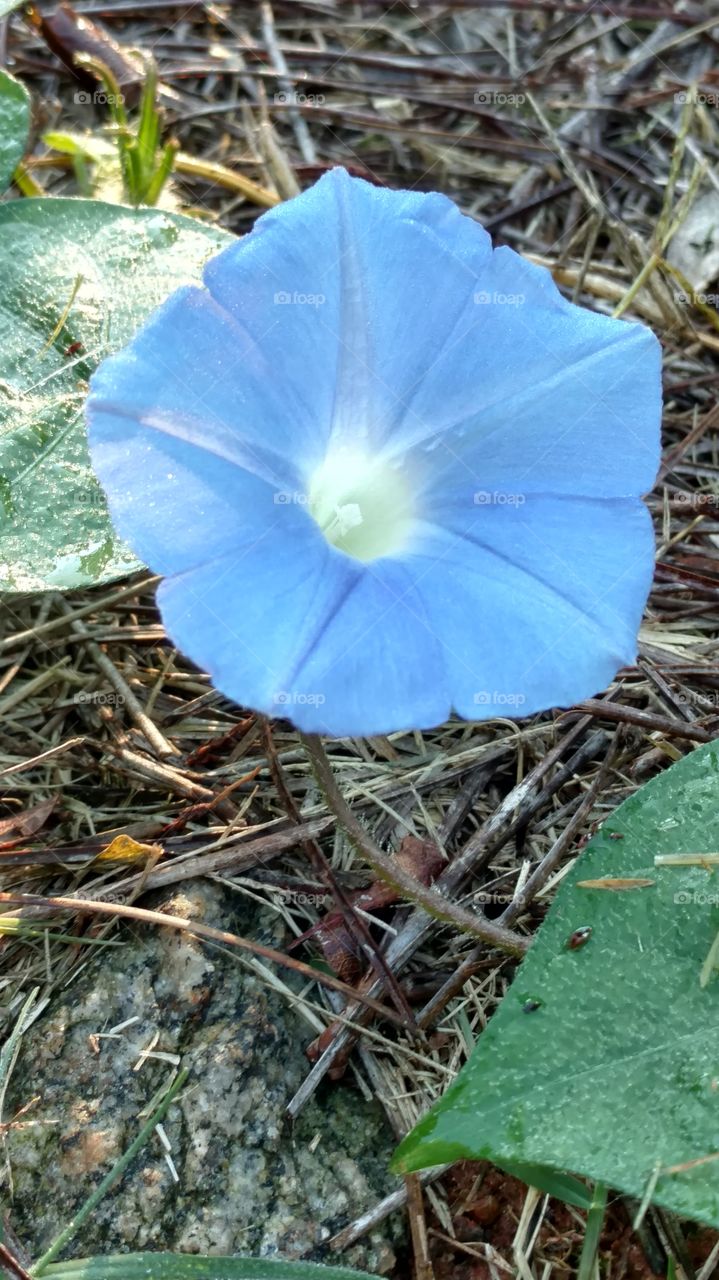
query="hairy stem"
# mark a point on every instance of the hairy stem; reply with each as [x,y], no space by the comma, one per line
[387,869]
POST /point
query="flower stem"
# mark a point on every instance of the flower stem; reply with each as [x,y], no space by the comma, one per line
[386,868]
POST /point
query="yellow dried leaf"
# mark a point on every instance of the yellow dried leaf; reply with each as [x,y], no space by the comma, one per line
[124,849]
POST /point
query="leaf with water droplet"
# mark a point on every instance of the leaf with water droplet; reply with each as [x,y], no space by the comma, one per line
[616,1075]
[78,279]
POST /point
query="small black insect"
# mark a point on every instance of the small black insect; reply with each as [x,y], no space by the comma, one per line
[616,835]
[531,1006]
[579,938]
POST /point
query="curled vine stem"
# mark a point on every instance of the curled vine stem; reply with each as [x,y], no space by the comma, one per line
[386,868]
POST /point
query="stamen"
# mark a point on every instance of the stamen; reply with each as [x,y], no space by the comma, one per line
[362,505]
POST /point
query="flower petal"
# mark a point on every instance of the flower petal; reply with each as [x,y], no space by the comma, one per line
[394,270]
[174,499]
[191,372]
[377,659]
[536,605]
[294,628]
[539,396]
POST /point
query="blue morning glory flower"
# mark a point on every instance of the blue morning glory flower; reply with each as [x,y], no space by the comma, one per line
[386,471]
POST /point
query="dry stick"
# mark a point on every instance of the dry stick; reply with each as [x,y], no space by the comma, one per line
[152,734]
[58,624]
[555,856]
[556,7]
[44,755]
[194,927]
[522,802]
[15,667]
[9,1262]
[385,868]
[33,686]
[478,850]
[645,720]
[674,455]
[237,857]
[423,1269]
[530,890]
[171,778]
[353,921]
[668,695]
[460,806]
[230,859]
[371,1218]
[284,78]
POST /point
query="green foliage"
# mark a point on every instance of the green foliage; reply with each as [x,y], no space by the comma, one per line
[172,1266]
[145,164]
[551,1181]
[616,1074]
[78,278]
[14,126]
[95,162]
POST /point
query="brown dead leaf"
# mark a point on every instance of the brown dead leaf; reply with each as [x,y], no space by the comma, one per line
[343,952]
[29,821]
[68,33]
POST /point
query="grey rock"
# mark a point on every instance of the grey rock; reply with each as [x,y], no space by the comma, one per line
[245,1182]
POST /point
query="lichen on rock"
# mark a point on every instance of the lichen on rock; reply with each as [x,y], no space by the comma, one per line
[237,1177]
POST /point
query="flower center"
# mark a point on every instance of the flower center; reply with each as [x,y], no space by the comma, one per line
[362,505]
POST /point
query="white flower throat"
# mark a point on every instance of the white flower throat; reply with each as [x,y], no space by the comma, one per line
[363,505]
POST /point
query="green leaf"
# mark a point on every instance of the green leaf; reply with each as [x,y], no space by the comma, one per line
[604,1059]
[14,126]
[90,146]
[77,278]
[175,1266]
[552,1182]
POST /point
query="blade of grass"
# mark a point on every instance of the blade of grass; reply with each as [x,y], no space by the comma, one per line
[148,129]
[162,172]
[12,1044]
[110,1178]
[170,1266]
[15,928]
[115,96]
[590,1246]
[26,185]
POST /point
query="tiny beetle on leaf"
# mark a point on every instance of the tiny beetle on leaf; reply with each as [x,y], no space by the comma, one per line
[531,1006]
[579,938]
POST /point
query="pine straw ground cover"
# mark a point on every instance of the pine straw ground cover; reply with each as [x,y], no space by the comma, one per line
[565,128]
